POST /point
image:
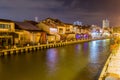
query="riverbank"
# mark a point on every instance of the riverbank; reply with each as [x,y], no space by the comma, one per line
[111,69]
[25,49]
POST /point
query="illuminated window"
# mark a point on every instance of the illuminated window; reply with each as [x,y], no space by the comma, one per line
[60,30]
[5,26]
[53,30]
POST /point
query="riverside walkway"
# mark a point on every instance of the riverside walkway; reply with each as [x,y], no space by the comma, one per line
[111,69]
[24,49]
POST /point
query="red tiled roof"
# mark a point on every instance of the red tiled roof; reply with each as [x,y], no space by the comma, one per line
[26,26]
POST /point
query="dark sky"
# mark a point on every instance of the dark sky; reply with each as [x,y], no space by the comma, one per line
[86,11]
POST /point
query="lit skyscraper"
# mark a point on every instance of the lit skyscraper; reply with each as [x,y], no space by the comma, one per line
[77,23]
[106,23]
[36,19]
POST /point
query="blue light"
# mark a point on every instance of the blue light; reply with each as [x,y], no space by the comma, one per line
[51,60]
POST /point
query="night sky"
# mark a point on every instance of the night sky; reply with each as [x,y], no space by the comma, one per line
[86,11]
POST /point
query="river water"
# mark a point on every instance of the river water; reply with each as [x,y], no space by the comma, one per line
[82,61]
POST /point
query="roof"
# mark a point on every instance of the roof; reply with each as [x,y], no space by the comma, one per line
[5,20]
[68,24]
[31,22]
[26,26]
[52,25]
[52,22]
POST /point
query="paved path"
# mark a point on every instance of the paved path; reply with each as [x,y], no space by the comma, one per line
[111,70]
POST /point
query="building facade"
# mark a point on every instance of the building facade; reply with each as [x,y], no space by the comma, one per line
[105,23]
[26,34]
[7,29]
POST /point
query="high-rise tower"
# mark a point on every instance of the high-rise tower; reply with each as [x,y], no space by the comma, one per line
[36,19]
[105,23]
[77,23]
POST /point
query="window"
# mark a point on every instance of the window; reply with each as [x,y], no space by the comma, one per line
[5,26]
[60,30]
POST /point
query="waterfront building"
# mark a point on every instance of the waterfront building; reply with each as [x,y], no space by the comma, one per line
[49,25]
[65,30]
[77,29]
[26,34]
[32,32]
[43,36]
[7,29]
[61,29]
[96,31]
[69,33]
[69,28]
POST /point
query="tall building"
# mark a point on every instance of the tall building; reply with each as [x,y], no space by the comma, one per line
[106,23]
[36,19]
[77,23]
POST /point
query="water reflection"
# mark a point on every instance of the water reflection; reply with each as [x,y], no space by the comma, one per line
[85,45]
[52,58]
[72,62]
[86,48]
[78,48]
[94,49]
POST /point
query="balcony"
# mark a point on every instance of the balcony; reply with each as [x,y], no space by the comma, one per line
[4,30]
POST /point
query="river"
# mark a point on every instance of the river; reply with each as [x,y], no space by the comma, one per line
[82,61]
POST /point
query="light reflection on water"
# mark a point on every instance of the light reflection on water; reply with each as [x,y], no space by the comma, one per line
[73,62]
[94,51]
[52,58]
[78,48]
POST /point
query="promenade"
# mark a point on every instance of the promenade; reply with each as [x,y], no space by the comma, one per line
[26,49]
[111,69]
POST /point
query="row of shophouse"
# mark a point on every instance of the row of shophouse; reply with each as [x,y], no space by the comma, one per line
[46,31]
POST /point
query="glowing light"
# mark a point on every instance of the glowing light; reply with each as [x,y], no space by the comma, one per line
[93,51]
[77,36]
[51,59]
[53,30]
[94,43]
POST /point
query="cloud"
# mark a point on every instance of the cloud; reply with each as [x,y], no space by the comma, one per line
[89,11]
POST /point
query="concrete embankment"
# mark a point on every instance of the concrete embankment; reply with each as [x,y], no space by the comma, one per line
[104,70]
[39,47]
[111,69]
